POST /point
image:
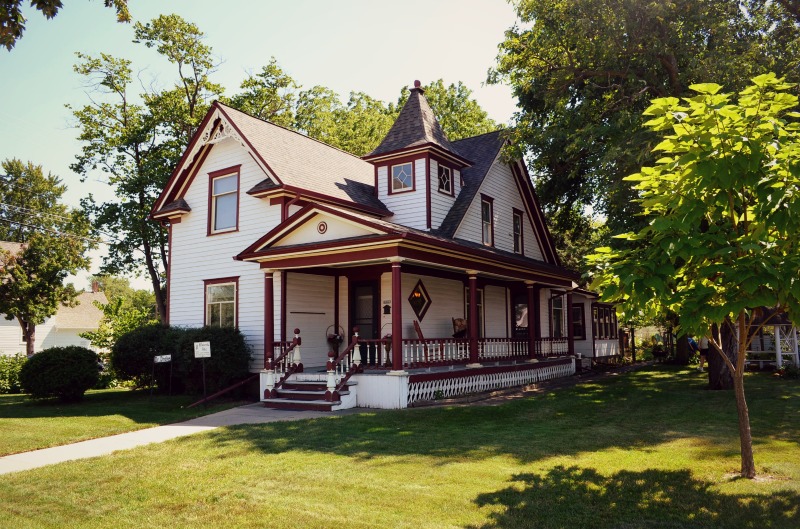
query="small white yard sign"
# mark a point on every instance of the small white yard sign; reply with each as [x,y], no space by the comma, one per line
[202,349]
[160,359]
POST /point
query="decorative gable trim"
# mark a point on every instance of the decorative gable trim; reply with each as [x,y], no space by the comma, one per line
[543,236]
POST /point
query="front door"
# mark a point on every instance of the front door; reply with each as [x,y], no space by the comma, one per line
[364,312]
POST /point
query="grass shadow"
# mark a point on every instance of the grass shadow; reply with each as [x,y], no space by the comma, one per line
[578,497]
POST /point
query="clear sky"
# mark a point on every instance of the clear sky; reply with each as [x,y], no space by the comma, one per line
[373,46]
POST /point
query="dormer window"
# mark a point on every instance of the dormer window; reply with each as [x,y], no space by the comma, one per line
[445,180]
[402,178]
[223,201]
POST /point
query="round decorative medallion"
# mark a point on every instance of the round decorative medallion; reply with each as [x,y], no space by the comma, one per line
[322,227]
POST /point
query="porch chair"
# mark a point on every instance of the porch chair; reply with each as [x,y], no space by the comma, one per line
[459,328]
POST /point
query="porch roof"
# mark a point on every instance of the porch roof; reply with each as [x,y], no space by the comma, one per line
[386,240]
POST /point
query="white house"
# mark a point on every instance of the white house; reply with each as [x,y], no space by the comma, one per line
[272,231]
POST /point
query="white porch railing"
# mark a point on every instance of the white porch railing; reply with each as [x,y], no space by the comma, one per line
[435,351]
[446,351]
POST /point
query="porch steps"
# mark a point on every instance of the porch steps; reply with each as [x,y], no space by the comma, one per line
[307,392]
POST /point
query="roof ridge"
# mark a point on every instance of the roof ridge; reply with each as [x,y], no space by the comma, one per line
[479,135]
[306,136]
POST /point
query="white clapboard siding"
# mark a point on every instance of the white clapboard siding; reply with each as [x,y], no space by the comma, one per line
[447,302]
[544,311]
[334,228]
[495,312]
[440,202]
[309,307]
[408,207]
[196,257]
[11,337]
[500,185]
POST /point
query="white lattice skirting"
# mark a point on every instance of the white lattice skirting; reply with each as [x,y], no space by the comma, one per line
[451,387]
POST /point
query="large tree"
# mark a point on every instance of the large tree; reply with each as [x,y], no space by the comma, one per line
[136,139]
[584,70]
[722,238]
[52,242]
[12,21]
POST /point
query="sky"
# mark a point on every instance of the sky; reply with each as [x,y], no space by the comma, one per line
[372,46]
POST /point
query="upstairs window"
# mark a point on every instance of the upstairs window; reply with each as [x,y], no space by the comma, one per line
[445,180]
[517,222]
[223,201]
[402,178]
[221,302]
[487,221]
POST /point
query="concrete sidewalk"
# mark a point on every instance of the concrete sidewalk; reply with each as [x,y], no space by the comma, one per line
[249,414]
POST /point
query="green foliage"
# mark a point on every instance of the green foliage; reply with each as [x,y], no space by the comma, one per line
[126,310]
[12,21]
[583,72]
[789,371]
[54,243]
[271,95]
[132,357]
[723,209]
[10,366]
[63,372]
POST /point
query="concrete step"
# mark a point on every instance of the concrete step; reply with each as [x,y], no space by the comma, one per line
[297,394]
[294,404]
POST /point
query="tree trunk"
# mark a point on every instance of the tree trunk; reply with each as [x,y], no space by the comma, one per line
[682,350]
[745,437]
[29,336]
[719,376]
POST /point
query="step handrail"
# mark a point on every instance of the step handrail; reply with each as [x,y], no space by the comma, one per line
[334,362]
[292,369]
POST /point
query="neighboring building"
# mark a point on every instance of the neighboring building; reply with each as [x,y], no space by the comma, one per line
[270,230]
[59,330]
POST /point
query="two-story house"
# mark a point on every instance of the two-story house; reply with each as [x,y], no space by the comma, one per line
[436,251]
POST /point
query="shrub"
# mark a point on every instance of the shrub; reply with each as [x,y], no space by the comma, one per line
[63,372]
[132,357]
[132,354]
[10,367]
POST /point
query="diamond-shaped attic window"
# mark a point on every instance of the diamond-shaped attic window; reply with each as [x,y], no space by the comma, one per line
[419,300]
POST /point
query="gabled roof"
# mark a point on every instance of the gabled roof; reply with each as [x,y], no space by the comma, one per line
[416,126]
[483,150]
[85,315]
[290,160]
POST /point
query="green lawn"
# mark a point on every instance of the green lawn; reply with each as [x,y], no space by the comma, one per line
[647,449]
[27,424]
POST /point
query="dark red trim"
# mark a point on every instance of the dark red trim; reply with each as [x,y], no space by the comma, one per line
[447,375]
[517,213]
[335,303]
[489,200]
[173,179]
[472,319]
[538,220]
[428,192]
[222,280]
[375,190]
[221,173]
[284,289]
[570,325]
[253,150]
[439,163]
[537,310]
[532,313]
[169,268]
[397,318]
[269,318]
[417,149]
[402,161]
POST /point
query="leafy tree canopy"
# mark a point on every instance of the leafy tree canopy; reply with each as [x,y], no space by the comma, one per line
[28,200]
[584,71]
[12,21]
[722,205]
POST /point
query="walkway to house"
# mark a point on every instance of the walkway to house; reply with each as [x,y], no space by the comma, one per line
[253,414]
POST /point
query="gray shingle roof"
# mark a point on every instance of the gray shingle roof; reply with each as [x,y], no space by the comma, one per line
[85,315]
[416,125]
[176,205]
[482,150]
[305,163]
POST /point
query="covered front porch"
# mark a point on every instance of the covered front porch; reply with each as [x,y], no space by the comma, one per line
[389,307]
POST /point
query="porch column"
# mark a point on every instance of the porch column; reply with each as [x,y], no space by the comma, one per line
[570,326]
[531,321]
[269,319]
[472,319]
[397,319]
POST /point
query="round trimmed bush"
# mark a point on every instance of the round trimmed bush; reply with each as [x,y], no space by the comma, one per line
[63,372]
[132,354]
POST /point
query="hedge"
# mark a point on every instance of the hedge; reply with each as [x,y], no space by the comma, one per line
[63,372]
[10,367]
